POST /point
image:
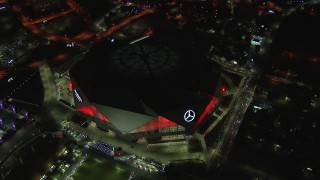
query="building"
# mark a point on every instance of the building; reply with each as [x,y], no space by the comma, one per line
[44,6]
[145,88]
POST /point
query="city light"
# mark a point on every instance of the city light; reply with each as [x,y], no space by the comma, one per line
[139,39]
[77,95]
[223,89]
[129,89]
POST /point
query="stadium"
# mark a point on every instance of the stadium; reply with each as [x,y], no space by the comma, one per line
[145,88]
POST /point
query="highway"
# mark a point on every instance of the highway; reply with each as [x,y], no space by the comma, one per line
[242,97]
[53,113]
[22,137]
[238,106]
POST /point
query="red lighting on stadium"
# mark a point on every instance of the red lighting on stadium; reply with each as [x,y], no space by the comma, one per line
[92,111]
[70,85]
[157,123]
[102,117]
[88,110]
[211,104]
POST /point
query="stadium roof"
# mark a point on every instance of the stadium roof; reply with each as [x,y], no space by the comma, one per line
[134,84]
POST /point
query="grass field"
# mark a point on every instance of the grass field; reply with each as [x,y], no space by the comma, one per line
[93,168]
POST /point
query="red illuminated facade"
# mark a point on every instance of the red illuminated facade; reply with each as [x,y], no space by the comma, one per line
[157,123]
[93,112]
[210,106]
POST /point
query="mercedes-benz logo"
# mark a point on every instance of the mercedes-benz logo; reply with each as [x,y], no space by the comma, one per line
[189,115]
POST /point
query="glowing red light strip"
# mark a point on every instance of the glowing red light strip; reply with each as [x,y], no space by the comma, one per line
[214,101]
[92,111]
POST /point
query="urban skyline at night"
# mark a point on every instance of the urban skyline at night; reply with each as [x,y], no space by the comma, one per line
[159,90]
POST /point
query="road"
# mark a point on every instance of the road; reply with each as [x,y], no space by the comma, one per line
[85,36]
[19,139]
[31,25]
[123,23]
[54,113]
[237,108]
[242,97]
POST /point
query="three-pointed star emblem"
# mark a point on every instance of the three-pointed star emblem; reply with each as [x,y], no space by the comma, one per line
[189,115]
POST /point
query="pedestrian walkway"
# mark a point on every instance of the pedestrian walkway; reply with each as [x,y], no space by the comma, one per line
[134,148]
